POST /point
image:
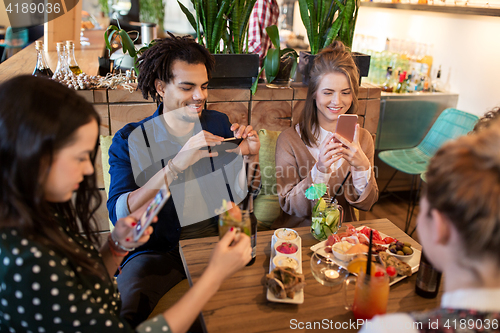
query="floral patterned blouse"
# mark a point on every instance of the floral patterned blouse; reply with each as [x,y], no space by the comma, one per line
[43,291]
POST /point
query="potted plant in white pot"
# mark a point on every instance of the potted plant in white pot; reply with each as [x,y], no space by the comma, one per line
[325,21]
[222,27]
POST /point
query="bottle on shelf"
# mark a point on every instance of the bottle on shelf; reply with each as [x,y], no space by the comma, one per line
[401,87]
[388,86]
[437,84]
[73,65]
[428,279]
[410,87]
[42,68]
[62,68]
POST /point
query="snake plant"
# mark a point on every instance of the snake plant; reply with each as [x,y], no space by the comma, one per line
[221,20]
[323,25]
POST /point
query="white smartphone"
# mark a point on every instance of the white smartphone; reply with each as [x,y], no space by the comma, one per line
[153,209]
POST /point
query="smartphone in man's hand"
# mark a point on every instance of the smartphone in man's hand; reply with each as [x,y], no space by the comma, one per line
[227,144]
[153,209]
[346,126]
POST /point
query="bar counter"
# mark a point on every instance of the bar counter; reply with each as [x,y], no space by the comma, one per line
[24,61]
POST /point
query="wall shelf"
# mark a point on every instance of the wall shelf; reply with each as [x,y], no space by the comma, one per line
[462,10]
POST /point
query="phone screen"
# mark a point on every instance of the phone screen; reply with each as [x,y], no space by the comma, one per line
[346,126]
[153,209]
[227,144]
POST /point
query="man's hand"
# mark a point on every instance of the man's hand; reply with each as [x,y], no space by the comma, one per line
[251,144]
[191,153]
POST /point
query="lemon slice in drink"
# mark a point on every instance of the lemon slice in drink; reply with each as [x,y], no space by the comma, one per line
[320,205]
[331,217]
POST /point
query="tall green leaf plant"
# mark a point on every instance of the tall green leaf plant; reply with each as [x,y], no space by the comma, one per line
[326,20]
[210,22]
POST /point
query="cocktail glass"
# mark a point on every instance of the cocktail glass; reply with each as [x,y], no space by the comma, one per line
[370,295]
[326,218]
[242,224]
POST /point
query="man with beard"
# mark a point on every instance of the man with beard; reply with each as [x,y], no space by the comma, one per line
[172,147]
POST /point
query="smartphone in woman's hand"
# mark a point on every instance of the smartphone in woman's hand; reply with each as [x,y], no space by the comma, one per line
[346,126]
[153,209]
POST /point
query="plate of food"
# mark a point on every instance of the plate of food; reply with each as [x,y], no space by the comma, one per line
[381,244]
[285,280]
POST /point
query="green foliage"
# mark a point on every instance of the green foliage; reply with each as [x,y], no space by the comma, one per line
[152,11]
[323,25]
[221,20]
[113,32]
[274,57]
[104,7]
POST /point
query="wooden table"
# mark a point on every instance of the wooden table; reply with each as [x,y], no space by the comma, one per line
[241,305]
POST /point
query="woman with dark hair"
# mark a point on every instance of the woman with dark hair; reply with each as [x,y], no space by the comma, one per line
[54,278]
[306,154]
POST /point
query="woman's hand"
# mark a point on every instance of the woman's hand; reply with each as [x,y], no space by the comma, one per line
[353,154]
[231,254]
[191,153]
[251,144]
[123,231]
[329,153]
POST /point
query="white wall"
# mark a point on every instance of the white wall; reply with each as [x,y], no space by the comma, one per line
[466,46]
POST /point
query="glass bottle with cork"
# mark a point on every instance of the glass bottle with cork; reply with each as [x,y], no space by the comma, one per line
[62,68]
[42,68]
[73,65]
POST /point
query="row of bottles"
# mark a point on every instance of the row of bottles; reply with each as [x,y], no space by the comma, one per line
[66,61]
[397,53]
[404,82]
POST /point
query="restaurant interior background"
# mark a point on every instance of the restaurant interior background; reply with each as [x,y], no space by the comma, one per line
[465,46]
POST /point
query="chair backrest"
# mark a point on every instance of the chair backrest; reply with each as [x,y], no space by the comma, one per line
[450,124]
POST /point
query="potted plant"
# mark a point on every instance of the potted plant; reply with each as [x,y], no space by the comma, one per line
[325,21]
[113,32]
[279,64]
[222,27]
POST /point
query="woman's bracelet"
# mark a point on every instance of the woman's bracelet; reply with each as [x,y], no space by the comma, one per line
[117,244]
[173,169]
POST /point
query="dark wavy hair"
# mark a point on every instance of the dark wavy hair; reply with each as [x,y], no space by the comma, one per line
[38,117]
[334,58]
[156,62]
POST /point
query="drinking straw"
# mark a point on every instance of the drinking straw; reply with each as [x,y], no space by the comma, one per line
[369,261]
[343,182]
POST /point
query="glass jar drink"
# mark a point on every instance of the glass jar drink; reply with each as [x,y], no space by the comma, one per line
[327,217]
[242,223]
[370,295]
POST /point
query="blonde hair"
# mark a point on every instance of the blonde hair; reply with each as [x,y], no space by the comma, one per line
[334,58]
[464,184]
